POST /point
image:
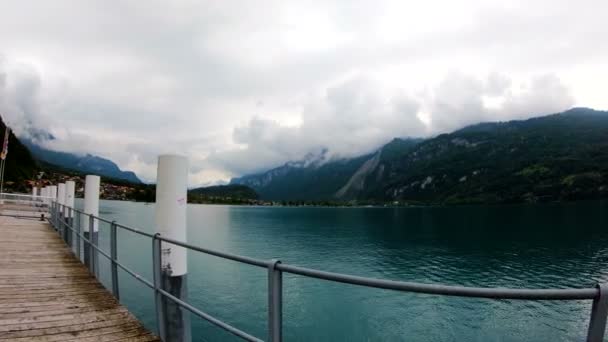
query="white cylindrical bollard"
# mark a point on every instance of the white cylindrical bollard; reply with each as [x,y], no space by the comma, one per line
[53,192]
[61,193]
[171,202]
[91,199]
[91,207]
[34,192]
[70,188]
[43,195]
[60,201]
[68,214]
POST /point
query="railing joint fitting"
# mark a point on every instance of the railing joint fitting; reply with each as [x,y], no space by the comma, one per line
[272,264]
[602,290]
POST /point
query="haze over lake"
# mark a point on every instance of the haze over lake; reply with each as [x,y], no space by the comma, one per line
[534,246]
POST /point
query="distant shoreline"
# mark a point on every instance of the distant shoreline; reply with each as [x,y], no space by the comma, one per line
[359,206]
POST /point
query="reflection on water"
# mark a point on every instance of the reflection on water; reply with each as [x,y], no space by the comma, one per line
[534,246]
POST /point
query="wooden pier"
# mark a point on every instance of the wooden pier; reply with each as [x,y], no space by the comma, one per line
[46,294]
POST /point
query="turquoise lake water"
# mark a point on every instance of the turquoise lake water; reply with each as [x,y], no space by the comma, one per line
[533,246]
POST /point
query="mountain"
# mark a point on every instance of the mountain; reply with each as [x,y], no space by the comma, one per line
[88,164]
[303,180]
[557,157]
[371,173]
[20,165]
[316,178]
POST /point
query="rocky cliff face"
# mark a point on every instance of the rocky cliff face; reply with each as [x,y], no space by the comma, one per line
[356,183]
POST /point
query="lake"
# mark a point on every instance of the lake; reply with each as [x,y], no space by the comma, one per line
[533,246]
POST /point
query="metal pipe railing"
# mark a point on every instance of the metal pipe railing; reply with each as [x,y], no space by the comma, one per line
[599,294]
[458,291]
[16,205]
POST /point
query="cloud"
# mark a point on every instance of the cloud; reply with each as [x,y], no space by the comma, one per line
[543,95]
[350,119]
[19,95]
[460,99]
[353,118]
[240,86]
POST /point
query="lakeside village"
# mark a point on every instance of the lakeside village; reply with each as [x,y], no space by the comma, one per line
[108,190]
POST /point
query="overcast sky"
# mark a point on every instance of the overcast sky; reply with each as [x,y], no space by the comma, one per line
[241,86]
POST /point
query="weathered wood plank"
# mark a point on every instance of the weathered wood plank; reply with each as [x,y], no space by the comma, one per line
[114,336]
[48,307]
[68,301]
[69,333]
[53,324]
[56,299]
[71,330]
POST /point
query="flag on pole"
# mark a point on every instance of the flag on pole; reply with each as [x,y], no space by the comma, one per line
[5,145]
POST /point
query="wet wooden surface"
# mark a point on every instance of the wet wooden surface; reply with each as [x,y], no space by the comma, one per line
[46,294]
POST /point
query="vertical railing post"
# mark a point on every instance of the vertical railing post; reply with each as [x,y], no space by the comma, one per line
[158,297]
[68,231]
[91,249]
[53,195]
[70,190]
[599,314]
[275,302]
[53,216]
[56,216]
[57,226]
[78,240]
[64,220]
[61,222]
[114,255]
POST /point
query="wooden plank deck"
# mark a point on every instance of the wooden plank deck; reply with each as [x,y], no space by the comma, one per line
[46,294]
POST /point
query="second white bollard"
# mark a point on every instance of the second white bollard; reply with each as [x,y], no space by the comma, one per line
[171,202]
[70,188]
[91,226]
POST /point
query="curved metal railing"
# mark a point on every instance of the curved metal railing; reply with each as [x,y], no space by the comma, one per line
[62,223]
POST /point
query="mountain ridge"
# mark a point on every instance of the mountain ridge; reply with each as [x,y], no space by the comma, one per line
[562,156]
[86,163]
